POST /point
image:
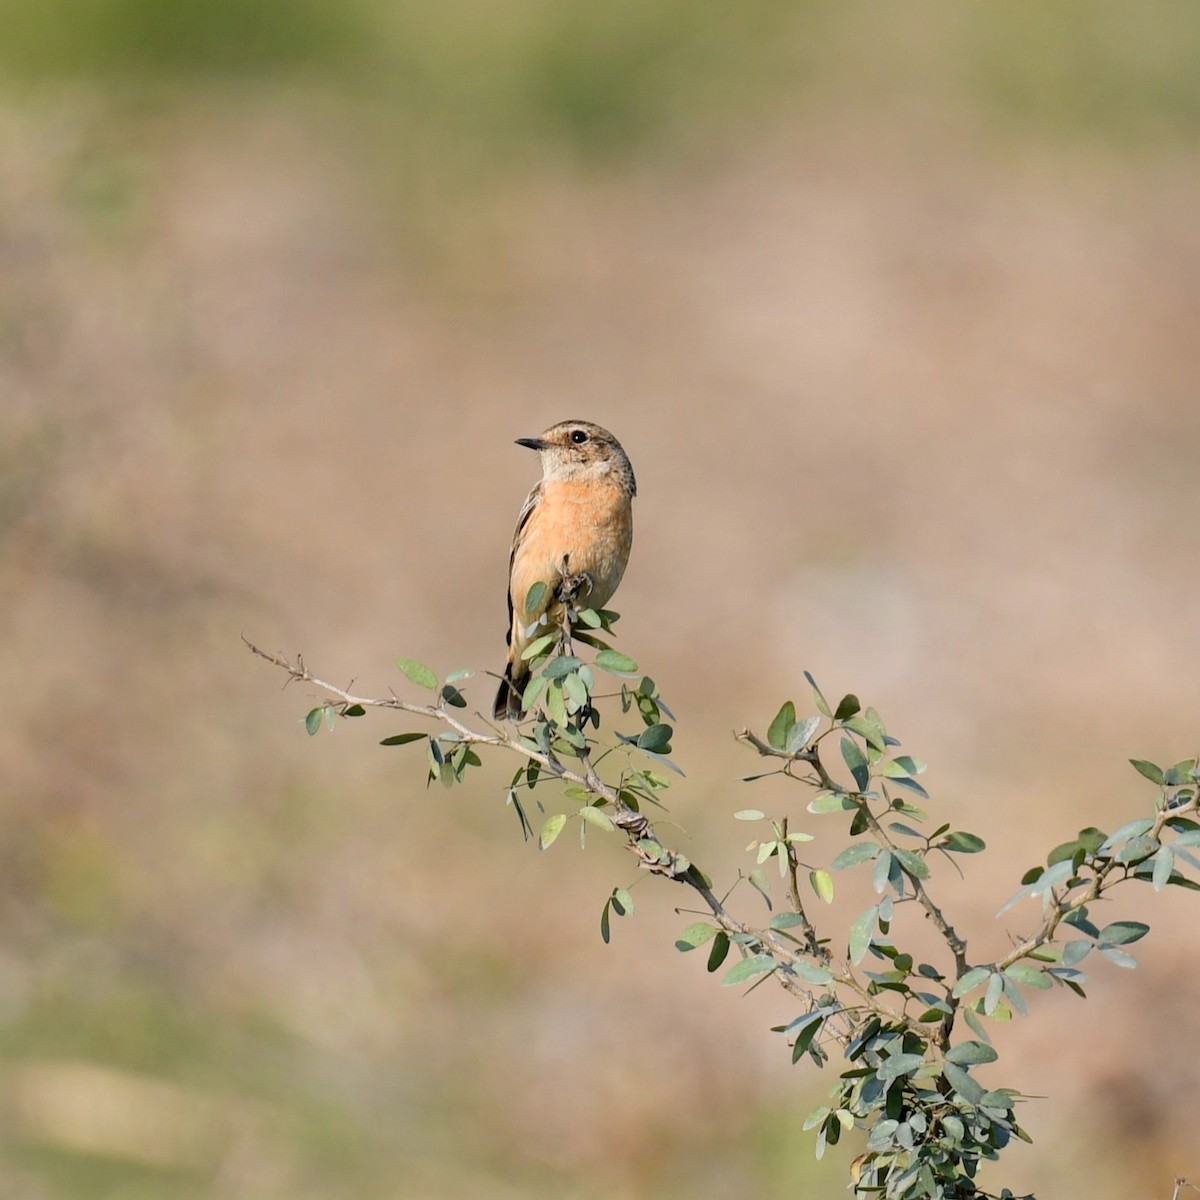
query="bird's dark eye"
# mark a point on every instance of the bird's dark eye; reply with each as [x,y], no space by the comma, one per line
[578,437]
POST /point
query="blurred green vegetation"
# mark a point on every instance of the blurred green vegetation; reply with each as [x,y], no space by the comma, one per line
[599,78]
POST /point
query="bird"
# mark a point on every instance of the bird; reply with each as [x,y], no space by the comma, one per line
[576,524]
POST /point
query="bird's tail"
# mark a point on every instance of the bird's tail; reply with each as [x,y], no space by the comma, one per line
[508,698]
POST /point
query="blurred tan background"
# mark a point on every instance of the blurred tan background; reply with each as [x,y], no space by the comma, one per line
[895,310]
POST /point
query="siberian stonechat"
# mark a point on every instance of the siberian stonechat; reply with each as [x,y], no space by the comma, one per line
[577,522]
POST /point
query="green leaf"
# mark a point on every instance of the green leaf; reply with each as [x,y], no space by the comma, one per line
[402,739]
[453,696]
[720,948]
[748,814]
[657,739]
[459,676]
[1059,873]
[994,993]
[897,1065]
[1151,772]
[595,816]
[822,703]
[913,863]
[801,734]
[954,1127]
[758,880]
[696,934]
[590,617]
[605,930]
[882,870]
[1121,933]
[857,763]
[1029,976]
[970,1053]
[534,598]
[811,973]
[538,647]
[564,664]
[758,964]
[859,852]
[975,1021]
[804,1037]
[1164,864]
[971,980]
[1137,849]
[786,920]
[420,674]
[1130,829]
[962,1083]
[622,902]
[765,850]
[847,707]
[962,843]
[616,663]
[1075,952]
[815,1118]
[312,721]
[831,802]
[785,718]
[576,689]
[551,829]
[355,710]
[822,884]
[533,690]
[1181,772]
[556,705]
[861,932]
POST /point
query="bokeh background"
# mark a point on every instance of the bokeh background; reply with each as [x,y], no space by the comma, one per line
[895,308]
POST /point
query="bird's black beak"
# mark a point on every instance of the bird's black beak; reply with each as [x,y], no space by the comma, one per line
[533,443]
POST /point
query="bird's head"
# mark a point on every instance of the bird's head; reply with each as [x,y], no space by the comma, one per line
[579,450]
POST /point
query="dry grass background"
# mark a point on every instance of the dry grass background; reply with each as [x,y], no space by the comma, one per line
[906,362]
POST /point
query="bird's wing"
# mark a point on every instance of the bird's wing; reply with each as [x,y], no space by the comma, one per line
[531,502]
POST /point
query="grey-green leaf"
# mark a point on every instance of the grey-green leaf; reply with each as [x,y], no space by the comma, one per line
[758,964]
[811,973]
[971,980]
[534,597]
[969,1053]
[962,1083]
[899,1064]
[597,817]
[860,934]
[657,738]
[1151,772]
[420,674]
[1164,864]
[856,761]
[1121,933]
[616,663]
[858,852]
[801,734]
[402,739]
[785,718]
[551,829]
[696,934]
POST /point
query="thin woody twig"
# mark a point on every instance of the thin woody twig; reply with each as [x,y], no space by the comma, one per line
[652,853]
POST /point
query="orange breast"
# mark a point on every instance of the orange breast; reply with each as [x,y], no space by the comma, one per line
[591,524]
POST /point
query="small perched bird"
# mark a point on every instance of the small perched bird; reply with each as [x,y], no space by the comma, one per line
[577,522]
